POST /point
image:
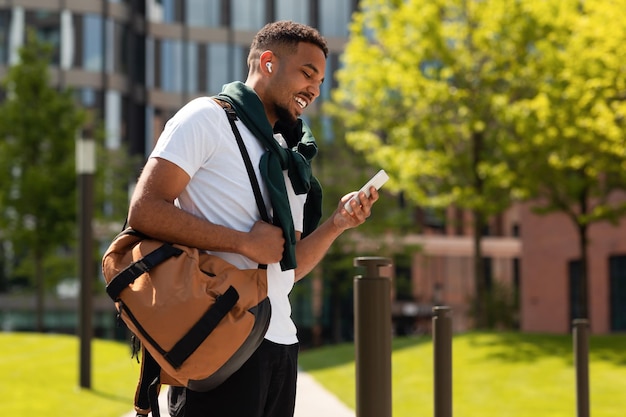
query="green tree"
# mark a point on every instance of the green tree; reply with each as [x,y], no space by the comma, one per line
[479,103]
[419,95]
[38,128]
[571,135]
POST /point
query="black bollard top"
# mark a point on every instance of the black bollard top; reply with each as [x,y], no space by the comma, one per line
[372,264]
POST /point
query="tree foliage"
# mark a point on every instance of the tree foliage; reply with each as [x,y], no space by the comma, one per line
[38,128]
[571,135]
[478,104]
[419,90]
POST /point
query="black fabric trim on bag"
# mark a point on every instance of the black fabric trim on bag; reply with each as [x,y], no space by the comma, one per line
[203,328]
[187,344]
[140,328]
[262,313]
[129,274]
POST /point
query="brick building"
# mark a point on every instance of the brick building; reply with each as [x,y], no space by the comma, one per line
[537,258]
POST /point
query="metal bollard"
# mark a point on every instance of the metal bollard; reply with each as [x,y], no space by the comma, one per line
[372,326]
[581,362]
[442,355]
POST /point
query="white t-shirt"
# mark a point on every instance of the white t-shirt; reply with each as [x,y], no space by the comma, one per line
[199,139]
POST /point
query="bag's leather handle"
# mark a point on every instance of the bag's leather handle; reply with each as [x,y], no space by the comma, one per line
[129,274]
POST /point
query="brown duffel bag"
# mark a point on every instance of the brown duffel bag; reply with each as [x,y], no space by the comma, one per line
[198,317]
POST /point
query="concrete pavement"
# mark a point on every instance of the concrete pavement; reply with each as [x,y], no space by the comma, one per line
[312,400]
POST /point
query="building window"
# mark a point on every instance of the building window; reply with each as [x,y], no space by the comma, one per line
[335,16]
[164,11]
[332,64]
[192,66]
[218,73]
[247,14]
[617,295]
[47,26]
[118,47]
[5,24]
[240,65]
[92,100]
[203,13]
[171,66]
[89,98]
[92,53]
[296,10]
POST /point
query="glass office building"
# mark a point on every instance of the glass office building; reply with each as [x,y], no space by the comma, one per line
[135,62]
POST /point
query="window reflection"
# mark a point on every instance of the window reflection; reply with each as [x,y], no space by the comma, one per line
[240,66]
[217,69]
[92,42]
[203,13]
[296,10]
[247,14]
[335,16]
[327,85]
[88,97]
[164,11]
[171,64]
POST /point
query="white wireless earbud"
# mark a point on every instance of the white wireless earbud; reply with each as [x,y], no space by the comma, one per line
[269,67]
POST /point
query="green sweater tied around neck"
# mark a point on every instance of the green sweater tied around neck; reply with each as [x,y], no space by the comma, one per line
[296,159]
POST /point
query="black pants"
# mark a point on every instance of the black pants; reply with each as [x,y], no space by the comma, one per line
[265,386]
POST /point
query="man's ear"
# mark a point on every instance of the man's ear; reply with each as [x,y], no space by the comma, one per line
[267,62]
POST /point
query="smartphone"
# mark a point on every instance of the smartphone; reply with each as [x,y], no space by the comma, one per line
[376,181]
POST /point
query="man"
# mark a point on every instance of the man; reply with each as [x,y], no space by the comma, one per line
[195,190]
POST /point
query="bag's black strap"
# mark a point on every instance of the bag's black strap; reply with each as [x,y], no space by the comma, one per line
[129,274]
[232,118]
[147,395]
[203,328]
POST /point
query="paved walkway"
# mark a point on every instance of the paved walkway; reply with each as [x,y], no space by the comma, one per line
[312,400]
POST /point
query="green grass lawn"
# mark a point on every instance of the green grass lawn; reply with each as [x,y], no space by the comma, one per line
[40,377]
[494,375]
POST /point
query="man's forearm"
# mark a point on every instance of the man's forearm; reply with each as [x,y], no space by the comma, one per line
[311,249]
[166,222]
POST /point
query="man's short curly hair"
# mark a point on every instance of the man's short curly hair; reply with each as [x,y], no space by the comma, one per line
[284,36]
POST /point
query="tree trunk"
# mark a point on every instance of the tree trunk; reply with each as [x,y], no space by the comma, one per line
[582,301]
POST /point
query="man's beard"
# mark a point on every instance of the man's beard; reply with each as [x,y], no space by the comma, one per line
[285,116]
